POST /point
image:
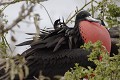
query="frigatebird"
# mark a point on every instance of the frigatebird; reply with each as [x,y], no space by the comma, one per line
[115,37]
[56,51]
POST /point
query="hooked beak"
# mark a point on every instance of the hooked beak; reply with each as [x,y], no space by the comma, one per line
[89,18]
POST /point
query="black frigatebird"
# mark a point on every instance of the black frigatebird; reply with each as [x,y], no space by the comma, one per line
[56,51]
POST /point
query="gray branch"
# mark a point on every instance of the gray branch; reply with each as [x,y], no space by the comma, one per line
[19,18]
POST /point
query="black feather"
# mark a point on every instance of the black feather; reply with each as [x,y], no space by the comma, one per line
[59,43]
[60,61]
[25,43]
[70,42]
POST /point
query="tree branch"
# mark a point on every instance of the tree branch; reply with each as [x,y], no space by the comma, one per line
[19,18]
[10,2]
[15,1]
[79,11]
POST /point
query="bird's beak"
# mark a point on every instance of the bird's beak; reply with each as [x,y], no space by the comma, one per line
[89,18]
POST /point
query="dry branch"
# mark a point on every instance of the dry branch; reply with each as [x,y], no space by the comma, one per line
[79,11]
[15,1]
[19,18]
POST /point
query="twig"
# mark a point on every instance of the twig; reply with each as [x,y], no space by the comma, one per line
[20,18]
[10,2]
[92,9]
[7,43]
[36,23]
[48,14]
[69,16]
[4,7]
[15,1]
[79,11]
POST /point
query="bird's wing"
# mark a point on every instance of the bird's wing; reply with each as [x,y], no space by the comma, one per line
[54,39]
[115,37]
[55,63]
[43,33]
[114,32]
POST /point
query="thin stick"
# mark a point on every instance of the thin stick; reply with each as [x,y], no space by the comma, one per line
[7,44]
[12,2]
[79,11]
[48,14]
[20,18]
[92,7]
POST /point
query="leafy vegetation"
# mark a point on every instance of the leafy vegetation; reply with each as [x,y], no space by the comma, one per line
[107,68]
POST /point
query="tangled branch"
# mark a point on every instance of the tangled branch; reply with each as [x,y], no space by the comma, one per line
[79,11]
[19,18]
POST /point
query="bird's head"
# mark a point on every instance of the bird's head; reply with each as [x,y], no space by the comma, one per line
[90,29]
[84,15]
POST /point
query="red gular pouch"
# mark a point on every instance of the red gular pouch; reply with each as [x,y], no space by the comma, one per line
[93,31]
[91,75]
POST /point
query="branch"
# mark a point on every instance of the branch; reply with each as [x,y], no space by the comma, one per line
[78,11]
[48,14]
[10,2]
[15,1]
[19,18]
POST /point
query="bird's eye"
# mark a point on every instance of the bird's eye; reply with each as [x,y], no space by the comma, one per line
[82,15]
